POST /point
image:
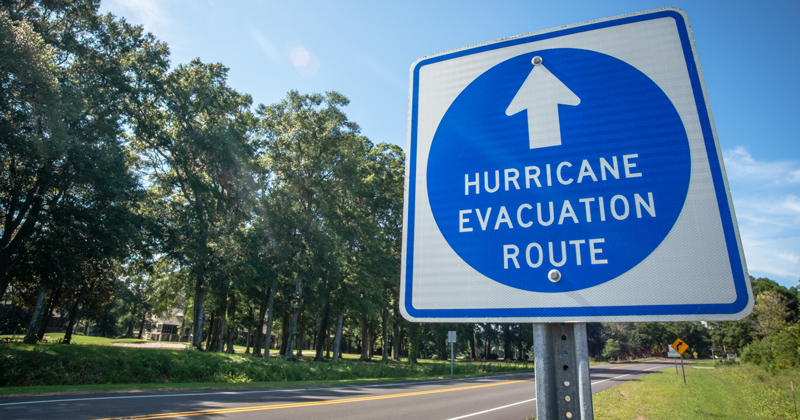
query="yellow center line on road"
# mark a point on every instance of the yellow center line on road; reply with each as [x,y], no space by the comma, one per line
[620,367]
[305,404]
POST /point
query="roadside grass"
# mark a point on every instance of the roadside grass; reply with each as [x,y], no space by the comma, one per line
[76,339]
[61,368]
[729,391]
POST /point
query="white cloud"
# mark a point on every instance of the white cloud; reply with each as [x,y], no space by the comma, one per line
[768,211]
[791,204]
[740,165]
[769,258]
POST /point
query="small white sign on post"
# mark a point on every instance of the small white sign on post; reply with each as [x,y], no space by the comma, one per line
[451,336]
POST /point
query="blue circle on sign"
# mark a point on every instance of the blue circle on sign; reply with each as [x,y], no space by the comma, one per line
[592,207]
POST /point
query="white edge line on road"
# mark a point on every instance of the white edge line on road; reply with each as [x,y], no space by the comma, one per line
[492,409]
[534,399]
[266,391]
[628,374]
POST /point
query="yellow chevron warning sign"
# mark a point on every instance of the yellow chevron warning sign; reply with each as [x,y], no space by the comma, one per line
[680,346]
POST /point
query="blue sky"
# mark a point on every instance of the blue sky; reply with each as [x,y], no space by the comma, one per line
[749,54]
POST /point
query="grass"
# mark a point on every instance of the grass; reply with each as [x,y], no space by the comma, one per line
[80,339]
[59,368]
[725,392]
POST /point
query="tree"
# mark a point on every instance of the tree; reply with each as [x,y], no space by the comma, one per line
[788,296]
[194,139]
[656,336]
[308,138]
[67,189]
[612,349]
[770,313]
[29,126]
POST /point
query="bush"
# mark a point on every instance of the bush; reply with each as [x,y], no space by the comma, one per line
[779,351]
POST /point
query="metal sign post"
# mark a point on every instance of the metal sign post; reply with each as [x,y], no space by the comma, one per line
[680,347]
[682,370]
[451,338]
[561,360]
[674,355]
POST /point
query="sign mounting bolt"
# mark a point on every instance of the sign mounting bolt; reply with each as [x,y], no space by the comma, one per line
[554,276]
[537,60]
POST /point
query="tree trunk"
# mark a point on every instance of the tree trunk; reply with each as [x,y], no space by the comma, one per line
[250,331]
[413,343]
[231,330]
[520,344]
[45,317]
[270,304]
[30,337]
[327,346]
[472,354]
[396,342]
[506,342]
[104,323]
[141,324]
[322,333]
[337,342]
[211,328]
[285,333]
[220,338]
[301,334]
[262,313]
[199,312]
[73,319]
[298,290]
[229,340]
[364,337]
[371,346]
[129,331]
[401,349]
[183,324]
[385,337]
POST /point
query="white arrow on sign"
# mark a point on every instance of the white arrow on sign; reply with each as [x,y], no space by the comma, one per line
[540,94]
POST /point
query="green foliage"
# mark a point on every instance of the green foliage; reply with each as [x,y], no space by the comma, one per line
[725,392]
[770,312]
[612,350]
[778,351]
[52,364]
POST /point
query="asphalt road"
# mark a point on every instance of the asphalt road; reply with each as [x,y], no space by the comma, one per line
[510,396]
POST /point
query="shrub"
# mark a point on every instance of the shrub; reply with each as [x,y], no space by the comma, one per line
[779,351]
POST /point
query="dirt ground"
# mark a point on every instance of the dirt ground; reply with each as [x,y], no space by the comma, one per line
[153,345]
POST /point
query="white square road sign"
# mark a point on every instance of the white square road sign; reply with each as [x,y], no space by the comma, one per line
[569,175]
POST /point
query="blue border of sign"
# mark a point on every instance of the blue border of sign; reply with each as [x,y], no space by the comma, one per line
[742,295]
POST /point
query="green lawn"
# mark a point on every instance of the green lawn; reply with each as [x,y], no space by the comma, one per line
[51,367]
[725,392]
[102,341]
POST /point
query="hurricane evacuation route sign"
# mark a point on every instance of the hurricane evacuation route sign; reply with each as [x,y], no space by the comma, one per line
[569,175]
